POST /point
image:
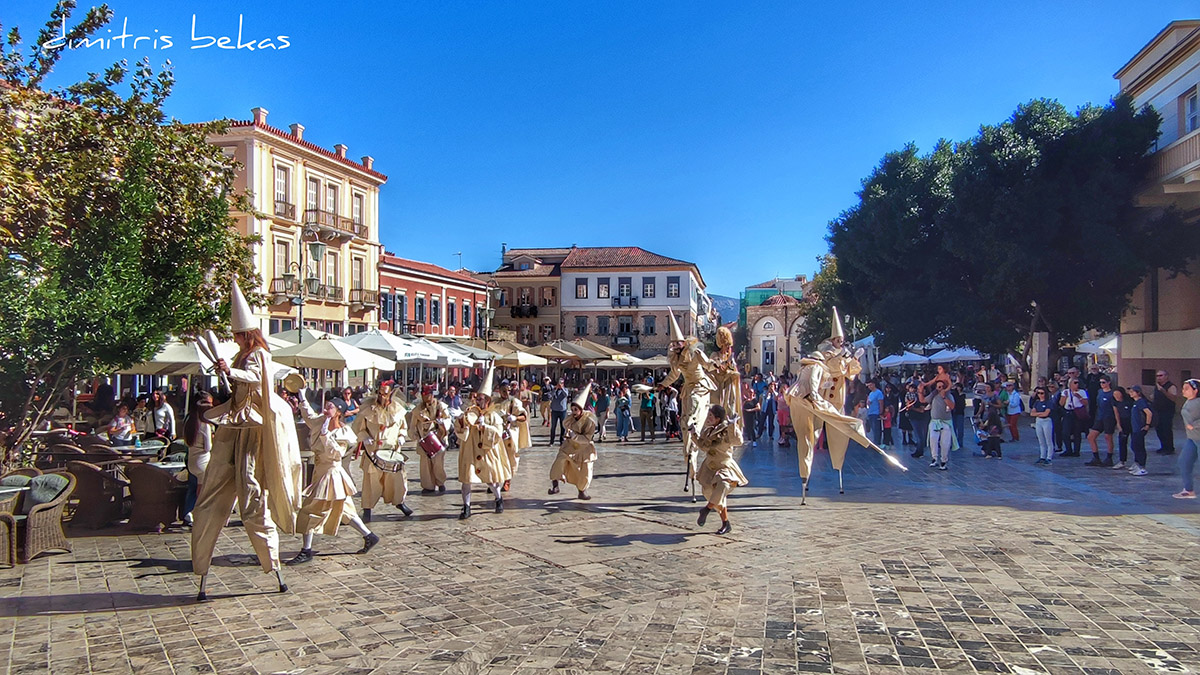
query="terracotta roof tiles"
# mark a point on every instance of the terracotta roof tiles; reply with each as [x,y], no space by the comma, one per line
[619,256]
[429,268]
[307,144]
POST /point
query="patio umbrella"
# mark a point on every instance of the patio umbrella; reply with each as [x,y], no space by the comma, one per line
[945,356]
[477,353]
[178,357]
[911,359]
[659,361]
[446,358]
[329,354]
[520,360]
[891,361]
[615,354]
[553,353]
[580,351]
[293,336]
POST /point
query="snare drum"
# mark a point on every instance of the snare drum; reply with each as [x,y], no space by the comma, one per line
[387,460]
[431,445]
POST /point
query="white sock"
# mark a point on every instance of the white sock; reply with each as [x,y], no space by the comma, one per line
[308,539]
[466,494]
[496,490]
[359,525]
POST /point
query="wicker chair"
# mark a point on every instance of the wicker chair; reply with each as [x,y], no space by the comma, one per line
[38,523]
[157,496]
[56,455]
[8,535]
[23,471]
[100,498]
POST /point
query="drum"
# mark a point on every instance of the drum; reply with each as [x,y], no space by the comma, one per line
[293,382]
[387,460]
[431,444]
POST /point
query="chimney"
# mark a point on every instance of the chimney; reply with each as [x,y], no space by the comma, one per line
[297,131]
[368,161]
[341,149]
[260,115]
[503,251]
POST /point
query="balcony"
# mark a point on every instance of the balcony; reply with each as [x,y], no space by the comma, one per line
[630,301]
[625,340]
[1176,157]
[285,210]
[331,226]
[523,311]
[284,289]
[361,298]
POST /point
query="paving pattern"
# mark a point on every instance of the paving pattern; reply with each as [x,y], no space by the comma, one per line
[992,566]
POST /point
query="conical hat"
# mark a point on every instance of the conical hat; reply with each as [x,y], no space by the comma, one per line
[836,327]
[581,399]
[241,319]
[676,334]
[486,387]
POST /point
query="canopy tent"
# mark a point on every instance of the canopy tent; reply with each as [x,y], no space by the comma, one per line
[952,355]
[385,344]
[446,357]
[905,359]
[178,357]
[659,361]
[477,353]
[1101,345]
[520,360]
[330,354]
[614,354]
[293,336]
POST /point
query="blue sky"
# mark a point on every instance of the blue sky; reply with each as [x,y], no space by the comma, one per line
[724,133]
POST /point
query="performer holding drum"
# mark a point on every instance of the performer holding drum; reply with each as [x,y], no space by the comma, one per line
[431,424]
[382,426]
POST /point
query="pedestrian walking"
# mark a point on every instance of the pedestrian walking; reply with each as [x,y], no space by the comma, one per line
[1191,424]
[558,410]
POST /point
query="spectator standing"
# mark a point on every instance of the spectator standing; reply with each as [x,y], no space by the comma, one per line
[1014,405]
[1124,407]
[919,415]
[1041,408]
[603,402]
[1191,425]
[1091,383]
[750,410]
[941,425]
[672,406]
[1056,416]
[163,415]
[874,412]
[906,426]
[1074,403]
[1141,421]
[547,389]
[960,411]
[525,395]
[1166,396]
[559,399]
[197,433]
[646,414]
[347,405]
[624,416]
[886,421]
[770,408]
[1104,421]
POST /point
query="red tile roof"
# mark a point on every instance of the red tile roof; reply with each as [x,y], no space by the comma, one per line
[765,284]
[306,144]
[619,256]
[429,268]
[535,270]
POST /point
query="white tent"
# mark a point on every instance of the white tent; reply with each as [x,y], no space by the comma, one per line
[443,356]
[891,361]
[180,358]
[951,355]
[329,354]
[1102,345]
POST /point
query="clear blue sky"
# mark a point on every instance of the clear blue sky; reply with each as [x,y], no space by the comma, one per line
[724,133]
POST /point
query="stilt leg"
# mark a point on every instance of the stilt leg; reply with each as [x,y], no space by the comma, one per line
[279,577]
[841,490]
[201,596]
[687,472]
[803,490]
[693,489]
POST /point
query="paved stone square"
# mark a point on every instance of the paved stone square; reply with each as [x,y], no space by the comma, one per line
[992,566]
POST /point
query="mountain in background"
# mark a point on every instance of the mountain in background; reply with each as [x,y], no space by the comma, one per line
[727,306]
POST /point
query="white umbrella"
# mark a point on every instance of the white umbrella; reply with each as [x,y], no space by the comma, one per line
[911,359]
[293,336]
[445,358]
[945,356]
[383,343]
[891,361]
[1107,344]
[328,354]
[659,361]
[180,358]
[520,360]
[966,354]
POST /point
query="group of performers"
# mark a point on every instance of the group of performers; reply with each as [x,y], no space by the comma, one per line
[255,458]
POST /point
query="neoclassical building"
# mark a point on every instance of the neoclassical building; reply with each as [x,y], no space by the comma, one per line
[774,329]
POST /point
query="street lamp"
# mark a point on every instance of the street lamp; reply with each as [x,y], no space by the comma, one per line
[490,312]
[301,292]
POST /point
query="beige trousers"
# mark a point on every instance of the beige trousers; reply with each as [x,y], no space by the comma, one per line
[324,515]
[565,469]
[716,492]
[433,471]
[232,477]
[390,486]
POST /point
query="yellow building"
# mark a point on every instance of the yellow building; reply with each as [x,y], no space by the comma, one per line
[317,212]
[1162,330]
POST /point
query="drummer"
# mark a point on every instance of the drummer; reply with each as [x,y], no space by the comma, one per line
[516,427]
[431,416]
[381,425]
[482,457]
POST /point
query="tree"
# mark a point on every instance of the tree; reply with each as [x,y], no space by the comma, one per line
[117,226]
[1032,224]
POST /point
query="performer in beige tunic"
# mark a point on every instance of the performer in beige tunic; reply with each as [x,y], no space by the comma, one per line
[255,458]
[516,427]
[841,365]
[719,472]
[726,377]
[330,496]
[687,359]
[382,425]
[482,456]
[431,416]
[577,455]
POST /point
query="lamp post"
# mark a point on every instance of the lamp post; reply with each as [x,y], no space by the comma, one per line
[309,287]
[490,312]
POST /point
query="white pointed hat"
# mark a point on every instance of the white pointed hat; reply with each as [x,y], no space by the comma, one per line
[241,319]
[486,387]
[835,330]
[676,334]
[581,399]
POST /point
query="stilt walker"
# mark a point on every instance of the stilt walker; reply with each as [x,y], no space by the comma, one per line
[482,456]
[841,365]
[330,496]
[727,378]
[516,427]
[382,426]
[577,455]
[431,416]
[719,472]
[687,359]
[255,458]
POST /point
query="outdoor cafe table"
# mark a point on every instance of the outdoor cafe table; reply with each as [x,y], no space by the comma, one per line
[169,466]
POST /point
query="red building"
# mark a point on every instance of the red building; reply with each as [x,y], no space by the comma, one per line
[424,299]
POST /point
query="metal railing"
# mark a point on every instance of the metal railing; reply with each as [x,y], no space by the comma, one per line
[333,221]
[1176,156]
[285,209]
[363,297]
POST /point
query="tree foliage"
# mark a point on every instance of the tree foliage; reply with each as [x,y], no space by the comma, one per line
[1030,225]
[115,220]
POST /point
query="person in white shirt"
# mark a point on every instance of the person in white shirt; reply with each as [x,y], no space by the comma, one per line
[120,429]
[197,432]
[164,415]
[1074,400]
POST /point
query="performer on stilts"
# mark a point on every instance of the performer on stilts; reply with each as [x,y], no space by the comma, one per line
[725,375]
[687,359]
[577,455]
[382,426]
[719,472]
[330,495]
[841,365]
[255,457]
[431,416]
[482,456]
[516,427]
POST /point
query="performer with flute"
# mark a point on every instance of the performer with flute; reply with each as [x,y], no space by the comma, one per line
[482,456]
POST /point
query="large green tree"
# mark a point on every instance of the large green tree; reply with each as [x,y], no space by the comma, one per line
[115,225]
[1030,225]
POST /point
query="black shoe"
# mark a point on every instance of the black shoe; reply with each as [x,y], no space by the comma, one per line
[584,495]
[305,555]
[428,491]
[366,515]
[553,488]
[466,512]
[1094,461]
[405,510]
[499,506]
[703,516]
[441,489]
[1160,451]
[369,542]
[725,528]
[1107,461]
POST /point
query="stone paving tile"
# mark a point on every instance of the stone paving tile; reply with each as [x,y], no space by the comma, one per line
[993,566]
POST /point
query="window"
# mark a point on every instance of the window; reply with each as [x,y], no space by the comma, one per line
[451,317]
[602,288]
[466,315]
[419,316]
[357,328]
[624,286]
[602,325]
[648,325]
[547,332]
[768,326]
[331,198]
[647,287]
[312,201]
[331,269]
[334,327]
[283,257]
[548,296]
[624,325]
[523,266]
[283,184]
[356,273]
[526,296]
[357,213]
[1191,112]
[387,306]
[581,289]
[581,325]
[401,308]
[435,312]
[672,287]
[280,325]
[504,294]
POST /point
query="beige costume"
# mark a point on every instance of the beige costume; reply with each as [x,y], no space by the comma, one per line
[435,418]
[577,455]
[516,432]
[728,384]
[719,472]
[482,456]
[382,427]
[841,366]
[330,496]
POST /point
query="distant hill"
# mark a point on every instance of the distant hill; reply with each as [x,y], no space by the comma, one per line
[727,306]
